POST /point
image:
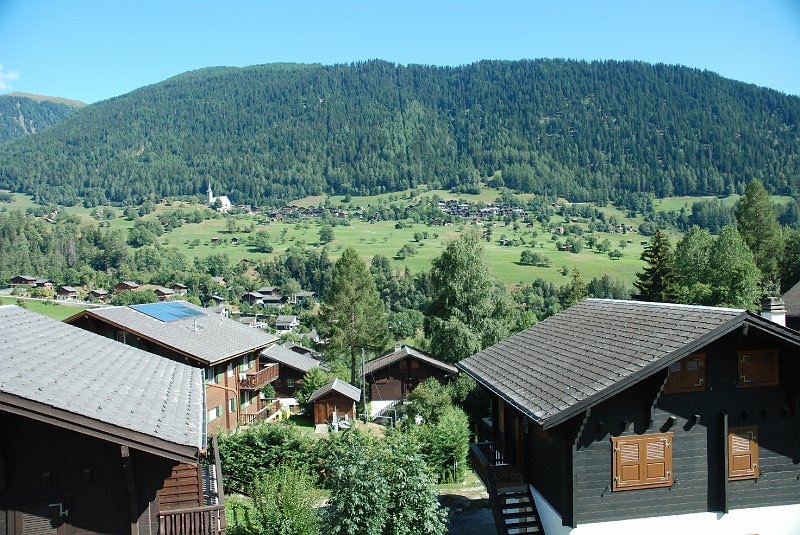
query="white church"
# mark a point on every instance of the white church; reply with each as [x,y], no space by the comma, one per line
[225,203]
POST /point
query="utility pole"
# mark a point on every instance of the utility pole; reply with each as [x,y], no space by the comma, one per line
[363,386]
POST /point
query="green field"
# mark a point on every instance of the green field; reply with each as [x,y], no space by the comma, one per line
[676,203]
[46,308]
[383,238]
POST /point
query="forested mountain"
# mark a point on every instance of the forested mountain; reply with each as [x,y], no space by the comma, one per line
[269,133]
[23,114]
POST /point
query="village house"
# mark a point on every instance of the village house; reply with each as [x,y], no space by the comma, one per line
[791,301]
[256,322]
[394,375]
[179,288]
[164,294]
[286,324]
[295,362]
[47,284]
[633,417]
[67,293]
[93,447]
[22,280]
[98,295]
[126,286]
[227,350]
[219,280]
[252,298]
[334,402]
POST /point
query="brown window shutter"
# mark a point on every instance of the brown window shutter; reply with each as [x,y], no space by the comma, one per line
[687,375]
[743,453]
[758,368]
[642,461]
[675,377]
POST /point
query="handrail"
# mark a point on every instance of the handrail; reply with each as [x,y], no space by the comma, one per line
[254,380]
[185,510]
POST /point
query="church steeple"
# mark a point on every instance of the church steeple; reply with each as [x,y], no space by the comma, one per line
[210,194]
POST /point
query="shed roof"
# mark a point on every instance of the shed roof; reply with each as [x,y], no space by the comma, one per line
[287,357]
[595,349]
[66,368]
[208,337]
[402,352]
[285,320]
[339,386]
[792,301]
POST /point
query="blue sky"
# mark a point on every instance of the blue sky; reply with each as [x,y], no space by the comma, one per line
[92,50]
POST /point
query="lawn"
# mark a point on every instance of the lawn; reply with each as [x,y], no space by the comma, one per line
[47,308]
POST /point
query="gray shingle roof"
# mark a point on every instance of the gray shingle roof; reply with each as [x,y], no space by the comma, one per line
[286,357]
[554,369]
[401,353]
[792,300]
[339,386]
[210,337]
[58,365]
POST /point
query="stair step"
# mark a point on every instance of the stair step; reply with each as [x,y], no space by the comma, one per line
[516,499]
[530,513]
[523,529]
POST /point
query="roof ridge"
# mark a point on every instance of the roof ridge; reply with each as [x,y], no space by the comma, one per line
[664,305]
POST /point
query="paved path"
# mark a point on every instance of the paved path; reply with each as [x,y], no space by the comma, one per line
[472,522]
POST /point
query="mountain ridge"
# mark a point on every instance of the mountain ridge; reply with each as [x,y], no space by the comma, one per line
[265,134]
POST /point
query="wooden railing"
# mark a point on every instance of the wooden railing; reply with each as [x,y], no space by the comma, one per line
[262,414]
[209,520]
[256,380]
[485,456]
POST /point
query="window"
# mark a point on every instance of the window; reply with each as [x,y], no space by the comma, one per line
[289,383]
[230,369]
[244,365]
[211,377]
[403,364]
[743,453]
[415,364]
[758,367]
[642,461]
[687,375]
[214,413]
[121,336]
[232,405]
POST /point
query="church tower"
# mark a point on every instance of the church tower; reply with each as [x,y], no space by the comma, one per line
[210,194]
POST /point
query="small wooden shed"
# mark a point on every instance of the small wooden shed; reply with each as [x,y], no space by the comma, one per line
[337,396]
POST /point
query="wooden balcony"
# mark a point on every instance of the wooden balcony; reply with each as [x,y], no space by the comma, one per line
[259,379]
[265,410]
[209,520]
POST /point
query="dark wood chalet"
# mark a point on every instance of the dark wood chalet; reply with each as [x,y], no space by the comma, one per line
[227,350]
[791,300]
[335,401]
[90,446]
[23,280]
[295,362]
[394,375]
[632,417]
[126,286]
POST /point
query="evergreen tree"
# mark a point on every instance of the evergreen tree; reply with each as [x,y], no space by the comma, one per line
[353,317]
[658,281]
[470,310]
[757,223]
[790,261]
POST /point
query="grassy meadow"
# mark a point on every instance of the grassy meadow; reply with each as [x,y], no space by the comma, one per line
[51,309]
[383,238]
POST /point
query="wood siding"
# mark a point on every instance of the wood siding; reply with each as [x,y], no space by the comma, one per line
[398,380]
[183,488]
[699,440]
[324,407]
[46,464]
[286,373]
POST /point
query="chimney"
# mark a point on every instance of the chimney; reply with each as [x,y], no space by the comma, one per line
[397,347]
[773,309]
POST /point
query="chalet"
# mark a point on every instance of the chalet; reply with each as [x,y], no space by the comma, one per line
[164,294]
[98,295]
[394,375]
[219,280]
[632,417]
[255,322]
[23,280]
[252,298]
[67,293]
[126,286]
[334,402]
[227,350]
[295,362]
[94,446]
[303,296]
[218,299]
[47,284]
[286,324]
[179,288]
[791,301]
[269,290]
[277,300]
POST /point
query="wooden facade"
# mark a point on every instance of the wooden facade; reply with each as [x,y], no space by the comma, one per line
[325,405]
[289,382]
[395,375]
[731,444]
[57,480]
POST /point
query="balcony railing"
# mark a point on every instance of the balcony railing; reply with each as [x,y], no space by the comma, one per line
[257,380]
[263,413]
[209,520]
